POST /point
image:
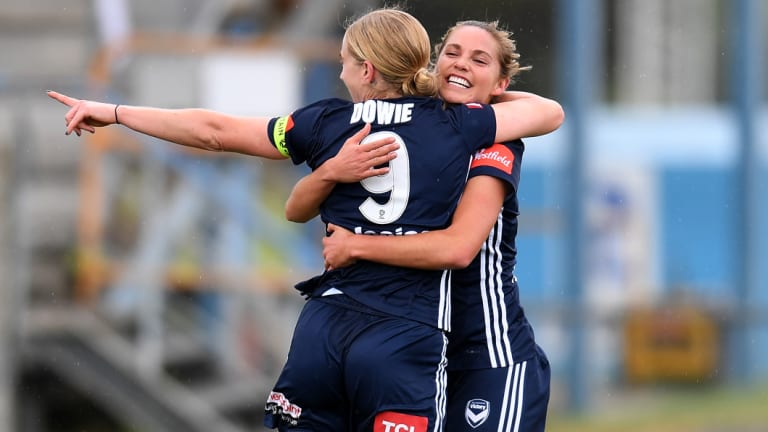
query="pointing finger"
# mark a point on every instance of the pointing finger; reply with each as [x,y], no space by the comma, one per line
[66,100]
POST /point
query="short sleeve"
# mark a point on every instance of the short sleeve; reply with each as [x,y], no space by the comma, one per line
[294,135]
[476,123]
[500,160]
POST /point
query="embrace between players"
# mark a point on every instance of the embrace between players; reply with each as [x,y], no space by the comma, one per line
[415,332]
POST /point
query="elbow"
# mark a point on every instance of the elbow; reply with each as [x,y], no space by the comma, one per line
[297,219]
[294,216]
[556,117]
[463,261]
[297,214]
[460,257]
[212,142]
[559,116]
[549,118]
[207,134]
[206,140]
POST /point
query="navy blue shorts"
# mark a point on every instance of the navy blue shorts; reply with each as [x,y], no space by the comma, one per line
[352,369]
[513,398]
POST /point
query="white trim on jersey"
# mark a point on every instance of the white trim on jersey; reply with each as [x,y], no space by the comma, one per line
[492,293]
[444,308]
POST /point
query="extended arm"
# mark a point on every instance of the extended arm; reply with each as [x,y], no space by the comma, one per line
[453,247]
[522,114]
[198,128]
[354,162]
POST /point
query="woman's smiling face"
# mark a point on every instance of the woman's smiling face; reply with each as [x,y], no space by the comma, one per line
[468,66]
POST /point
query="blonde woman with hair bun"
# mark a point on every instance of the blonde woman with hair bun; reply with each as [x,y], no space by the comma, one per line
[498,377]
[368,349]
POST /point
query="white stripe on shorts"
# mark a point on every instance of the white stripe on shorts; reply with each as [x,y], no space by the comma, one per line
[512,404]
[441,379]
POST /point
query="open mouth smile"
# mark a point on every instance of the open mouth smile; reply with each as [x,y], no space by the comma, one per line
[458,81]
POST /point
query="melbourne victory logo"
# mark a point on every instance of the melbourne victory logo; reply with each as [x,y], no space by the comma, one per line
[477,412]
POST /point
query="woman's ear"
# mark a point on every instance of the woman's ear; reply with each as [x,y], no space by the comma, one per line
[501,87]
[369,72]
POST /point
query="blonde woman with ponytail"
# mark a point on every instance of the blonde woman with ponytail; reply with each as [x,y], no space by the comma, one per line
[369,348]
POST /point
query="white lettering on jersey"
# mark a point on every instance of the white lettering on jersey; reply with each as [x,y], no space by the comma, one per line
[381,112]
[494,156]
[398,232]
[397,182]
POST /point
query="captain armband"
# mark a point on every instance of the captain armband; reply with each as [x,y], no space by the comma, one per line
[282,125]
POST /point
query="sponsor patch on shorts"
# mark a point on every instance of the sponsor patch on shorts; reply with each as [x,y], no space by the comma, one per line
[390,421]
[279,405]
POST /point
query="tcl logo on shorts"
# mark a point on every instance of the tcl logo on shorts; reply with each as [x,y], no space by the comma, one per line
[390,421]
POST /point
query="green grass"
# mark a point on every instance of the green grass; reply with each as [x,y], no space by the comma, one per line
[708,409]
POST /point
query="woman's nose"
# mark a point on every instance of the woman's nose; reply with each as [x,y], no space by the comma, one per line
[461,64]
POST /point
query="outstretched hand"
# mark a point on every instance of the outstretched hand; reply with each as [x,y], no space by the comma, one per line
[335,247]
[357,160]
[84,115]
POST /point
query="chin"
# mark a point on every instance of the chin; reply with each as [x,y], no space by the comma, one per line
[456,96]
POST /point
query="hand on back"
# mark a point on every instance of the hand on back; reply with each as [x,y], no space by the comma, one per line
[335,247]
[356,161]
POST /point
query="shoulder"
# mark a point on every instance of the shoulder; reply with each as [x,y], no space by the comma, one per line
[318,112]
[325,105]
[471,107]
[473,113]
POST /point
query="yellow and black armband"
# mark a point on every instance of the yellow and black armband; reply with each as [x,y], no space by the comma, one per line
[281,127]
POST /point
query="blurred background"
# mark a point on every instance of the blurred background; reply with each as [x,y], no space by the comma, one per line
[150,288]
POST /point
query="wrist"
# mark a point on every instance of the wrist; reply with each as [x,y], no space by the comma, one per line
[327,171]
[356,246]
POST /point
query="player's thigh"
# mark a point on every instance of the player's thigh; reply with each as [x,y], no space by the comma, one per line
[309,393]
[514,398]
[396,376]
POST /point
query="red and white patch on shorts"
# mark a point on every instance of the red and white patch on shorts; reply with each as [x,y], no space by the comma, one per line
[279,404]
[496,156]
[390,421]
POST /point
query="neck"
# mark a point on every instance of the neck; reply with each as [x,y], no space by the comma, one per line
[382,95]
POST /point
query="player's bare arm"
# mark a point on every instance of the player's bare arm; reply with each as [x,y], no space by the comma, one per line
[198,128]
[453,247]
[522,114]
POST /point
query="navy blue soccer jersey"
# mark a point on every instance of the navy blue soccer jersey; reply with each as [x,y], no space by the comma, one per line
[489,325]
[419,193]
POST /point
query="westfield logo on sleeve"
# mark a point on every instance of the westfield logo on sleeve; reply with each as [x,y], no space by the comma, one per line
[496,156]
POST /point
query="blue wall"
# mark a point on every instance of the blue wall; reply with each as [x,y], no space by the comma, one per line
[696,214]
[697,211]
